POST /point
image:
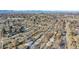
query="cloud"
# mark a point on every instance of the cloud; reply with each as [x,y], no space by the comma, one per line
[39,4]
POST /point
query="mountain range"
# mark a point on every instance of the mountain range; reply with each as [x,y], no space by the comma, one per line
[36,12]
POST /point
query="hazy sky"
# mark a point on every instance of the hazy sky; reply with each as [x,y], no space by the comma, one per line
[39,5]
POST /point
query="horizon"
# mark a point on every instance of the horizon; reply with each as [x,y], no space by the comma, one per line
[39,12]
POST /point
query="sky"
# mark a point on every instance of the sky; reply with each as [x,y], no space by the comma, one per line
[39,5]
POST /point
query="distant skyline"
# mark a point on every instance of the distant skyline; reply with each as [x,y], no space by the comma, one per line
[52,5]
[37,12]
